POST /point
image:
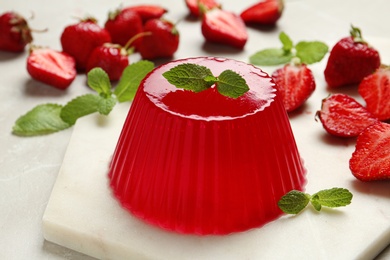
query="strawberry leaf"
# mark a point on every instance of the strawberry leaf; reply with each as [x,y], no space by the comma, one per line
[190,77]
[43,119]
[81,106]
[311,52]
[131,79]
[231,84]
[99,81]
[271,57]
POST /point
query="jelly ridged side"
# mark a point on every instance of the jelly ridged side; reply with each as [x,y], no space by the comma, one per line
[205,177]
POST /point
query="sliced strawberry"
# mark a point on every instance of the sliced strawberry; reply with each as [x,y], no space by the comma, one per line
[162,42]
[375,90]
[342,115]
[265,12]
[54,68]
[14,32]
[295,84]
[81,38]
[122,25]
[371,159]
[350,60]
[113,59]
[224,27]
[148,12]
[195,6]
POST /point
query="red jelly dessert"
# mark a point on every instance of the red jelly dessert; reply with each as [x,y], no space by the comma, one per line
[204,163]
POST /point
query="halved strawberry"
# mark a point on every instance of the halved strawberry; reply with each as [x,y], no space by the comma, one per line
[375,90]
[341,115]
[265,12]
[148,12]
[295,84]
[224,27]
[195,6]
[371,159]
[54,68]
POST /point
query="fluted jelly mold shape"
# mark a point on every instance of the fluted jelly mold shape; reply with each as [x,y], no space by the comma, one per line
[202,163]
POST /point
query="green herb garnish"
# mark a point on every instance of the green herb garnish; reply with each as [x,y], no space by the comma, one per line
[295,201]
[197,78]
[51,118]
[308,52]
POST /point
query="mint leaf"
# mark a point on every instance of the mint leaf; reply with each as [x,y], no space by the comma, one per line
[293,202]
[131,79]
[286,41]
[99,81]
[43,119]
[270,57]
[316,205]
[80,106]
[311,52]
[335,197]
[231,84]
[105,105]
[190,76]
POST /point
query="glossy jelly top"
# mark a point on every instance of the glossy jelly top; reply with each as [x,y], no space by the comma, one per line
[209,104]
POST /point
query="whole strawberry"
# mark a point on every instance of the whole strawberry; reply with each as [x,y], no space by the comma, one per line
[112,58]
[122,25]
[57,69]
[265,12]
[371,159]
[341,115]
[198,7]
[223,27]
[14,32]
[148,12]
[350,60]
[295,84]
[375,90]
[81,38]
[162,42]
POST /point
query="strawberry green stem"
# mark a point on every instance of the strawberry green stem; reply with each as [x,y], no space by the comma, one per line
[356,34]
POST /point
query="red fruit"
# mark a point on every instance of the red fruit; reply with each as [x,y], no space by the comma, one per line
[122,25]
[195,6]
[341,115]
[148,12]
[350,60]
[113,59]
[14,32]
[295,84]
[265,12]
[80,39]
[162,42]
[57,69]
[224,27]
[371,159]
[375,90]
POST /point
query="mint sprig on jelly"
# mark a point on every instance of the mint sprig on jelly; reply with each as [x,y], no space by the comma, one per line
[308,52]
[295,201]
[198,78]
[51,118]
